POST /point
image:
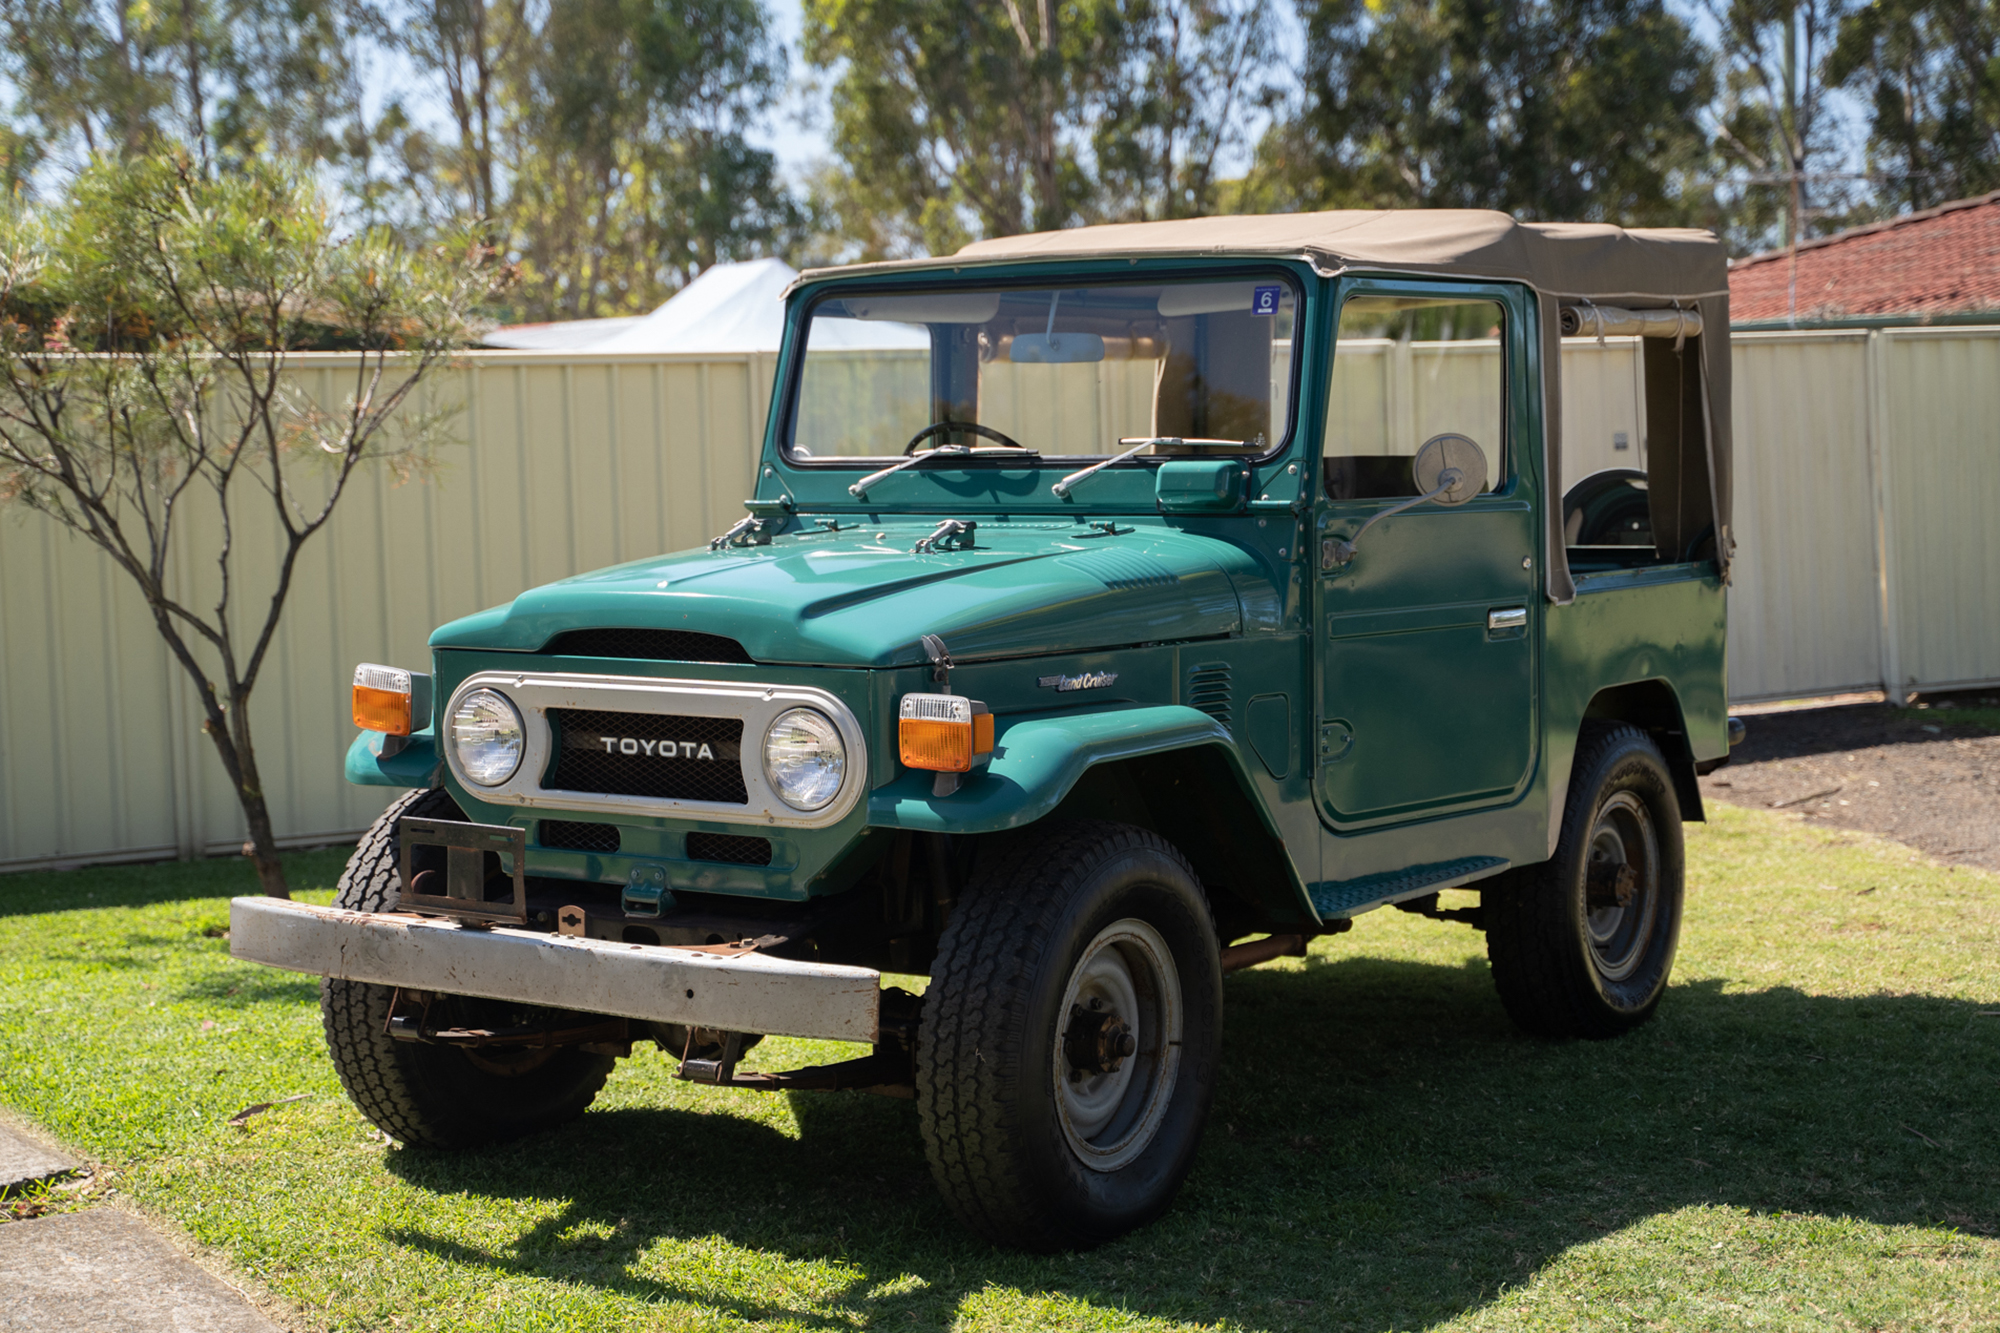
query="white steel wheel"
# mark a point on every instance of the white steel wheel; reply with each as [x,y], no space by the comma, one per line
[1120,1044]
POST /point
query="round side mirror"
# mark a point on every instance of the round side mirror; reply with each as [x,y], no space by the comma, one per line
[1458,452]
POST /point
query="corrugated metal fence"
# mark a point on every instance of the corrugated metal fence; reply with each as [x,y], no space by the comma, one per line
[1865,499]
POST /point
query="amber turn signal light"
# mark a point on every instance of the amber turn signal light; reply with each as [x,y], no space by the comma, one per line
[944,733]
[382,699]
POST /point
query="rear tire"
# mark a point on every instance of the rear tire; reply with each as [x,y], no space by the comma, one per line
[1066,1059]
[1582,944]
[440,1096]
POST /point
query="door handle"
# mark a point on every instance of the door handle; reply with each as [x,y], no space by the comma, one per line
[1513,617]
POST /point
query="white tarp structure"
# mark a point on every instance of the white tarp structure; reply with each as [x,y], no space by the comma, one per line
[728,310]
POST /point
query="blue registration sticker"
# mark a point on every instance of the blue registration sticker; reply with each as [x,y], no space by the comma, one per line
[1264,300]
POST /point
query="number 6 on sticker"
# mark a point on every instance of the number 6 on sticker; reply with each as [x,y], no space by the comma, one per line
[1264,300]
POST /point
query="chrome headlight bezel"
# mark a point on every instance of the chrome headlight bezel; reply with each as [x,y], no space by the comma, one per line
[502,719]
[821,785]
[756,703]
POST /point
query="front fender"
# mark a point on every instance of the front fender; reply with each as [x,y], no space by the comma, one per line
[415,765]
[1037,759]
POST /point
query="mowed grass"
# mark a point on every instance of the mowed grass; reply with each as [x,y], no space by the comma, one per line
[1808,1136]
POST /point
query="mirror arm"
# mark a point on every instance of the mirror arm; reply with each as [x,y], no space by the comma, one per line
[1340,552]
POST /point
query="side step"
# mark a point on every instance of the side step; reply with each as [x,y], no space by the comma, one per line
[1345,897]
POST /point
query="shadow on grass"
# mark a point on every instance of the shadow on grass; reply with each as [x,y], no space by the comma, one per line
[237,991]
[29,892]
[1386,1150]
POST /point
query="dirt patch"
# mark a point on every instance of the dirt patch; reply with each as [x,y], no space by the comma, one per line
[1929,777]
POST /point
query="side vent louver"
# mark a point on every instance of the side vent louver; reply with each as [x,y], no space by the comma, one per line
[1208,690]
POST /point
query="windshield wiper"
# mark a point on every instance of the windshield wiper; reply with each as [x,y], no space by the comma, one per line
[1068,484]
[859,490]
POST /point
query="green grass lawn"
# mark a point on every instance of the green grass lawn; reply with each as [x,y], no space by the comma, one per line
[1808,1136]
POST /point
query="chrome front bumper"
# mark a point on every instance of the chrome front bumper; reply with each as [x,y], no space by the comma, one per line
[735,992]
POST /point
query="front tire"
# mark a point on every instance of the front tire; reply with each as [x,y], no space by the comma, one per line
[1066,1059]
[440,1096]
[1582,945]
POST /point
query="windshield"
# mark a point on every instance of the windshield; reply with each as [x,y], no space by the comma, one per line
[1198,366]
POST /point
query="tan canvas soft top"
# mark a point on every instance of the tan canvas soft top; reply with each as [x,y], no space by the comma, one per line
[1607,264]
[1564,262]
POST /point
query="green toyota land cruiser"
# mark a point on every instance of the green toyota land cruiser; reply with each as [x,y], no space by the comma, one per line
[1117,607]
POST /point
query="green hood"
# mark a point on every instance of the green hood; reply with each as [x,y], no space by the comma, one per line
[861,597]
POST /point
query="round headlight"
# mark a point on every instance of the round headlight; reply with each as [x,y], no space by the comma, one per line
[804,759]
[487,737]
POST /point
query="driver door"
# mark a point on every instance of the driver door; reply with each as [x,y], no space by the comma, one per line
[1426,637]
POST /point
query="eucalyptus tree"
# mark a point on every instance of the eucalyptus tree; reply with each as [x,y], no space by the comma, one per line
[1199,76]
[954,119]
[232,79]
[1929,72]
[1582,109]
[1777,127]
[633,166]
[607,144]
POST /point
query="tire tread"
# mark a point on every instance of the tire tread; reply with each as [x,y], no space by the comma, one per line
[990,951]
[380,1074]
[1536,971]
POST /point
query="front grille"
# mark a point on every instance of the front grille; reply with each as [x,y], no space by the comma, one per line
[655,645]
[729,849]
[648,754]
[571,835]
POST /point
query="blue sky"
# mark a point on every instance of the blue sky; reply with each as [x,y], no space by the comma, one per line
[796,131]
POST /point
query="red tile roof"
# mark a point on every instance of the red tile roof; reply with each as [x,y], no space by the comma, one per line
[1943,261]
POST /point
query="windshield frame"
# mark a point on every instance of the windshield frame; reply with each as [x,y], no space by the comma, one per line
[1031,276]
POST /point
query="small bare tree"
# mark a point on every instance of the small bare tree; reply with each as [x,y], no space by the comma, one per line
[147,325]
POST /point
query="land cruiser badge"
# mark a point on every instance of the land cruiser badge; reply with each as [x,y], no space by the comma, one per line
[1085,680]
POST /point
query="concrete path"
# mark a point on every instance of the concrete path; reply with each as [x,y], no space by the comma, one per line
[102,1270]
[24,1161]
[105,1271]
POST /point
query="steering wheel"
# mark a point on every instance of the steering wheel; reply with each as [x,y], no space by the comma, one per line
[940,427]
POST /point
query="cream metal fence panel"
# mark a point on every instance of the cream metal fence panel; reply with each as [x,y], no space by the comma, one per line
[575,463]
[1939,435]
[1804,608]
[1080,408]
[1865,490]
[1603,412]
